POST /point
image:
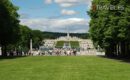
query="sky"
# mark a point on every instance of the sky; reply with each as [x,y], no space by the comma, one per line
[55,15]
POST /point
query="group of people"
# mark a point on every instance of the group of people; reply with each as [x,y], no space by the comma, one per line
[58,52]
[54,52]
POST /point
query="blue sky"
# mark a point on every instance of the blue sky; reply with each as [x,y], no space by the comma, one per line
[54,15]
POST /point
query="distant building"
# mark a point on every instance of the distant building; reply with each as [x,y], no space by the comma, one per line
[85,46]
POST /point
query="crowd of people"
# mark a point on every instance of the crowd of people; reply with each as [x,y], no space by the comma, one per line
[58,52]
[53,52]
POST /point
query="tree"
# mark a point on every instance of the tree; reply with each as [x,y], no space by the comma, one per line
[110,28]
[25,36]
[9,24]
[37,37]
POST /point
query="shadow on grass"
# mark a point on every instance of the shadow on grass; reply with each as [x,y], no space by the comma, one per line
[10,57]
[121,59]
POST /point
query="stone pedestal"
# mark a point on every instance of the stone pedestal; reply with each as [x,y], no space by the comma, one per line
[31,46]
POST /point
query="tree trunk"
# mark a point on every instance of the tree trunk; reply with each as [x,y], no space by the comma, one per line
[128,49]
[123,54]
[4,50]
[115,49]
[119,49]
[108,52]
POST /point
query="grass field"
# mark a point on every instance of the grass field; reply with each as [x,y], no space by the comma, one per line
[60,44]
[74,44]
[63,68]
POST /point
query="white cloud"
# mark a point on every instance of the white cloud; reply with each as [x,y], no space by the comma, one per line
[67,3]
[68,12]
[78,25]
[48,1]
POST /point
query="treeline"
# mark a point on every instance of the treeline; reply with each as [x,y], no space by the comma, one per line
[13,36]
[54,35]
[110,27]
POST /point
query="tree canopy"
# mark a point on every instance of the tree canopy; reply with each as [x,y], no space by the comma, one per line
[14,36]
[109,28]
[9,24]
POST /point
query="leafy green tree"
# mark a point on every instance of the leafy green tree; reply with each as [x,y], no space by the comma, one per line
[26,35]
[9,24]
[37,37]
[110,28]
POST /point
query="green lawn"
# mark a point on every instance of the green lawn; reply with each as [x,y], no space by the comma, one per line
[60,44]
[63,68]
[74,44]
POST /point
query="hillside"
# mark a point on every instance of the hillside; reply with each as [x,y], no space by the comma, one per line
[54,35]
